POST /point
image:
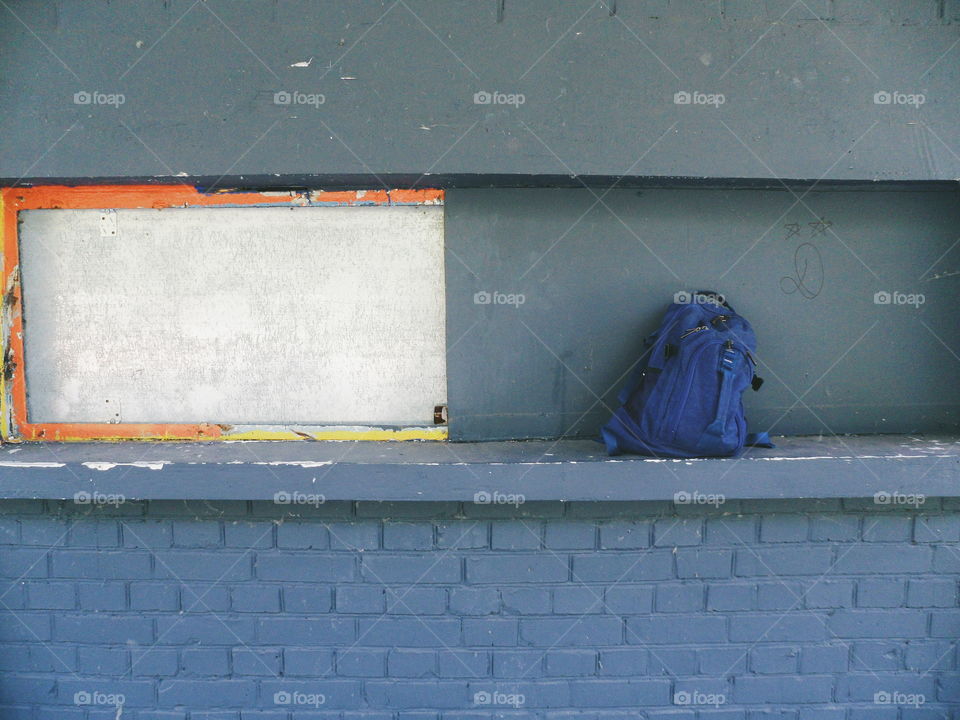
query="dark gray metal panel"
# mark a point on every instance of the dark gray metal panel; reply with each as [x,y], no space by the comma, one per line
[804,269]
[568,470]
[399,79]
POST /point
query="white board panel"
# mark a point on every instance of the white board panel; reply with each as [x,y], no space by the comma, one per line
[256,315]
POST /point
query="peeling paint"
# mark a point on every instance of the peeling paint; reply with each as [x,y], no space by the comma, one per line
[102,466]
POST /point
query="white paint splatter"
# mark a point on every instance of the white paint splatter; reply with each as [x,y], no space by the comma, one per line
[102,466]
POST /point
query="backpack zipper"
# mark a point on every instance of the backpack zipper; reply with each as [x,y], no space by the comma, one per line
[698,328]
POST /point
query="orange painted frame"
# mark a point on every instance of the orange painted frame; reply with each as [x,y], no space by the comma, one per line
[14,424]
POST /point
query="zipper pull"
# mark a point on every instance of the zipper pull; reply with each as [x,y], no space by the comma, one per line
[698,328]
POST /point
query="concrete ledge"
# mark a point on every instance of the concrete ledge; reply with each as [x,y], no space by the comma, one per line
[800,467]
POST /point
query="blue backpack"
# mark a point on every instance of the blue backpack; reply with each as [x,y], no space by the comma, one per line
[686,400]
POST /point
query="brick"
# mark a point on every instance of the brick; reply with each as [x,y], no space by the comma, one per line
[417,694]
[577,600]
[337,693]
[148,534]
[735,530]
[51,595]
[887,559]
[411,663]
[780,690]
[93,660]
[200,662]
[876,656]
[463,535]
[354,536]
[929,656]
[606,567]
[307,631]
[137,693]
[27,689]
[625,535]
[686,598]
[383,568]
[555,632]
[516,535]
[405,510]
[619,693]
[807,560]
[463,663]
[262,662]
[731,597]
[824,659]
[570,535]
[878,623]
[201,534]
[722,661]
[204,597]
[525,601]
[701,563]
[103,629]
[154,662]
[43,531]
[306,599]
[36,658]
[256,598]
[834,528]
[416,601]
[930,592]
[622,662]
[945,623]
[102,596]
[361,599]
[755,627]
[360,662]
[410,632]
[517,664]
[511,568]
[780,595]
[829,594]
[202,629]
[784,528]
[887,528]
[206,693]
[246,535]
[880,593]
[946,560]
[313,662]
[474,601]
[305,568]
[489,632]
[673,532]
[936,528]
[124,565]
[676,630]
[212,565]
[774,660]
[571,663]
[862,687]
[672,662]
[154,596]
[302,536]
[407,536]
[629,600]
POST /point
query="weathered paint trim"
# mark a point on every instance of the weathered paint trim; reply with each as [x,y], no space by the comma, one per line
[14,424]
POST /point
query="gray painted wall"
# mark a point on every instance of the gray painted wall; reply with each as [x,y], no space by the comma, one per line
[399,78]
[803,268]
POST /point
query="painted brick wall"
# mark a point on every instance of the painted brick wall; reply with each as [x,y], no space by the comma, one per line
[425,610]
